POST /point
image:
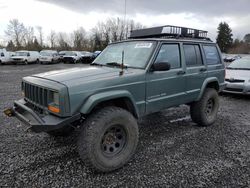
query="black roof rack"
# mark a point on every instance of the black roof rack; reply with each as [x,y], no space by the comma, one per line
[169,31]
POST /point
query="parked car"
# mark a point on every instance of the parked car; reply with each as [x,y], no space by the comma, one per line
[61,54]
[72,57]
[231,58]
[96,53]
[128,80]
[5,57]
[49,56]
[25,57]
[238,77]
[87,57]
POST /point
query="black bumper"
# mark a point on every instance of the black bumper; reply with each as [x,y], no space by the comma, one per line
[37,122]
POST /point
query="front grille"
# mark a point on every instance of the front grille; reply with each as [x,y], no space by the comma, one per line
[234,89]
[235,81]
[36,95]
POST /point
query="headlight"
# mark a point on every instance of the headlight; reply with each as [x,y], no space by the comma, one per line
[54,105]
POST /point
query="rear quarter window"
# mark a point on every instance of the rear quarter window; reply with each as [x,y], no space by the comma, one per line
[211,55]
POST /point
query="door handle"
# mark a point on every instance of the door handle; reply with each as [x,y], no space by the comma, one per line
[181,72]
[203,69]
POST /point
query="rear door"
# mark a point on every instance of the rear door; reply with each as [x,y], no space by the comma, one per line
[196,70]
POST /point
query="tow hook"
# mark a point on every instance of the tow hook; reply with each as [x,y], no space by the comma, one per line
[9,112]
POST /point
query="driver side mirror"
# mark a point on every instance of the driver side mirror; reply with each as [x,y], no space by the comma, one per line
[2,54]
[28,55]
[161,66]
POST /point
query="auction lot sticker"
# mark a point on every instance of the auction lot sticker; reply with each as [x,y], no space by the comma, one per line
[143,45]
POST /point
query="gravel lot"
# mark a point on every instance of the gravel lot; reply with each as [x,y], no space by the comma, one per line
[172,151]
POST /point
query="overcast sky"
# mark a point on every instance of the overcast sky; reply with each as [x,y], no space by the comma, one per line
[67,15]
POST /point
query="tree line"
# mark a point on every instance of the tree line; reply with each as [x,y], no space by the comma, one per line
[114,29]
[229,45]
[32,38]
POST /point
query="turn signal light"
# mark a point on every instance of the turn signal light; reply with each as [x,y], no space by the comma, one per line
[54,109]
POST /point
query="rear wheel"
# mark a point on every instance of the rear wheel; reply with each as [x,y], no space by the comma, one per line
[204,112]
[108,139]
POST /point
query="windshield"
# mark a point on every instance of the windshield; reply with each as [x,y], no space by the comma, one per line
[240,64]
[69,53]
[136,54]
[21,54]
[46,53]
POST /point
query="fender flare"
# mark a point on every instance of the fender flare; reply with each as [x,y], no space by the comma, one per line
[205,83]
[96,99]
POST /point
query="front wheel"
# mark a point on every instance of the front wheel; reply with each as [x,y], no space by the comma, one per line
[204,112]
[108,139]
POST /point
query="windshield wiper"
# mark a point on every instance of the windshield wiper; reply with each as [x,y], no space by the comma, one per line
[116,64]
[98,64]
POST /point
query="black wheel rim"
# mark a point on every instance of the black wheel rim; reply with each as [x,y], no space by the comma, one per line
[209,107]
[113,141]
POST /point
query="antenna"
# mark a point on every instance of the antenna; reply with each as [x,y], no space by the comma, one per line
[122,65]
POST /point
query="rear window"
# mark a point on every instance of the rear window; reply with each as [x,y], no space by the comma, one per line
[211,55]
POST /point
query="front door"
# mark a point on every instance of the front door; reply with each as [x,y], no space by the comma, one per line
[166,88]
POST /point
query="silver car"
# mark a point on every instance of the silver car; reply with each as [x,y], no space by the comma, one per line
[238,77]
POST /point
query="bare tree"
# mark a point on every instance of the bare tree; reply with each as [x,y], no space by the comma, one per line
[79,39]
[40,35]
[63,42]
[52,39]
[29,36]
[16,32]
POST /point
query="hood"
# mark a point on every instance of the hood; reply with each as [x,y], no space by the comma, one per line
[85,74]
[238,74]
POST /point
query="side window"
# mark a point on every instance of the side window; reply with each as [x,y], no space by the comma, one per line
[169,53]
[192,55]
[212,55]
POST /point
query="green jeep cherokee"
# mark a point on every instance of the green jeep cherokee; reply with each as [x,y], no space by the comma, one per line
[156,69]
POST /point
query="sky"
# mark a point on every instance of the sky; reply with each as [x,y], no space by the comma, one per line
[67,15]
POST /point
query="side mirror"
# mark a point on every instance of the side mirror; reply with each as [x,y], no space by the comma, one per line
[28,54]
[161,66]
[2,54]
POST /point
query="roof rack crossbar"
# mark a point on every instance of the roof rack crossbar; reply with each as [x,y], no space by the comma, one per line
[169,31]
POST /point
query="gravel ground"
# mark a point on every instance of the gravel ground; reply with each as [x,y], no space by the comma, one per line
[172,151]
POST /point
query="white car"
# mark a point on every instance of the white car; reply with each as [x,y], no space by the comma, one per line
[238,77]
[49,56]
[25,57]
[72,57]
[5,57]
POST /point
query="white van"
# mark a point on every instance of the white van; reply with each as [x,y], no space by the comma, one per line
[25,57]
[49,56]
[5,57]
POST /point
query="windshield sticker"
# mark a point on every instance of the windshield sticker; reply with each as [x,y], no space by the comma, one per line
[143,45]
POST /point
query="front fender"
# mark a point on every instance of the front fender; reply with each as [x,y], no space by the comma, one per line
[96,99]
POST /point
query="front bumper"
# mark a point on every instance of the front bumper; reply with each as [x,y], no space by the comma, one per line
[37,122]
[237,88]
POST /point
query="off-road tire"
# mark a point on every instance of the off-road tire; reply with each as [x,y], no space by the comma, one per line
[93,135]
[199,110]
[63,132]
